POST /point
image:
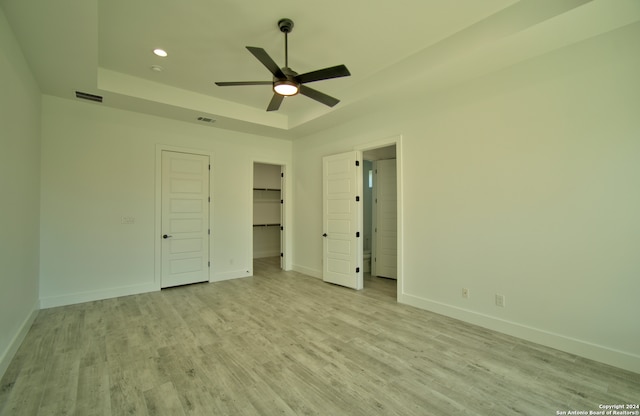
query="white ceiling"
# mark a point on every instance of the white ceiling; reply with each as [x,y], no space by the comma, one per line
[104,47]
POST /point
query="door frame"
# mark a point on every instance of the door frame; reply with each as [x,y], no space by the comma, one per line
[157,275]
[376,219]
[285,212]
[397,141]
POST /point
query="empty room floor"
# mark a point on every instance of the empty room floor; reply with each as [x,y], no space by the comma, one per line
[281,343]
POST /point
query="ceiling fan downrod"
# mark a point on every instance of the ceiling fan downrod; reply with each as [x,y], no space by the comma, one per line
[286,26]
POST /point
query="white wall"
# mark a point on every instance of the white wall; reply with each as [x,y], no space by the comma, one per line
[524,183]
[98,165]
[19,190]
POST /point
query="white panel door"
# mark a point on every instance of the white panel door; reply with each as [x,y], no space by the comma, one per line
[342,220]
[386,232]
[185,218]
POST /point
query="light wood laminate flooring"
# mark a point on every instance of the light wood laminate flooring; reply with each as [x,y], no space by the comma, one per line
[281,343]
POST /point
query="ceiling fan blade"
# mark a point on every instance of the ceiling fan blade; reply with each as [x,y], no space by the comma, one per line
[232,84]
[318,96]
[275,102]
[326,73]
[266,60]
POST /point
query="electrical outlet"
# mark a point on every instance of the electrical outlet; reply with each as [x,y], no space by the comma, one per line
[465,293]
[499,300]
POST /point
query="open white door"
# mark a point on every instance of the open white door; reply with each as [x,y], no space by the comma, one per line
[185,218]
[342,220]
[386,220]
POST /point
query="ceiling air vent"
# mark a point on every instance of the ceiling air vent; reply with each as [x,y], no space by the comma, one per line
[206,119]
[87,96]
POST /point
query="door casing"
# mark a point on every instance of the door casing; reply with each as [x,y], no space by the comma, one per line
[285,214]
[397,142]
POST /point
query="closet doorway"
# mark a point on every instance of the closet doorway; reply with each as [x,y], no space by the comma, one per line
[268,213]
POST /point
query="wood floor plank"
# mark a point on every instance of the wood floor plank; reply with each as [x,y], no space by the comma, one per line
[163,400]
[93,396]
[23,396]
[281,343]
[61,387]
[126,395]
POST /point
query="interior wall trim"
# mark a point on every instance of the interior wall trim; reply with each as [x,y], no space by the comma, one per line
[308,271]
[234,274]
[585,349]
[12,348]
[90,296]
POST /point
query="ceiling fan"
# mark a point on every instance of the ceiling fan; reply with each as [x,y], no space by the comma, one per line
[286,82]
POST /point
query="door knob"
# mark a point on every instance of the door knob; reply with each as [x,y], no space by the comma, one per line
[324,235]
[166,236]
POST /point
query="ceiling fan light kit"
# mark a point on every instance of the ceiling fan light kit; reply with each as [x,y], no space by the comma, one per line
[287,82]
[286,87]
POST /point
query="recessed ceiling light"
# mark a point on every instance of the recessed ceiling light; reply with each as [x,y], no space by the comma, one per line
[160,52]
[156,68]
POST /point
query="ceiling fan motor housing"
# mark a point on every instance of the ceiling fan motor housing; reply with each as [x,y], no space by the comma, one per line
[288,72]
[285,25]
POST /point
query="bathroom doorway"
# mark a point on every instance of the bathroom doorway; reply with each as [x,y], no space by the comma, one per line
[380,214]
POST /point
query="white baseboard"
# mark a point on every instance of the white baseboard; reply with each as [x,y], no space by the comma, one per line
[12,348]
[308,271]
[606,355]
[81,297]
[235,274]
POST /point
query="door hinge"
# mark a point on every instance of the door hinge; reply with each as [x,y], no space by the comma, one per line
[208,264]
[357,198]
[209,166]
[357,233]
[281,228]
[357,163]
[281,175]
[357,269]
[208,199]
[209,231]
[281,254]
[282,201]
